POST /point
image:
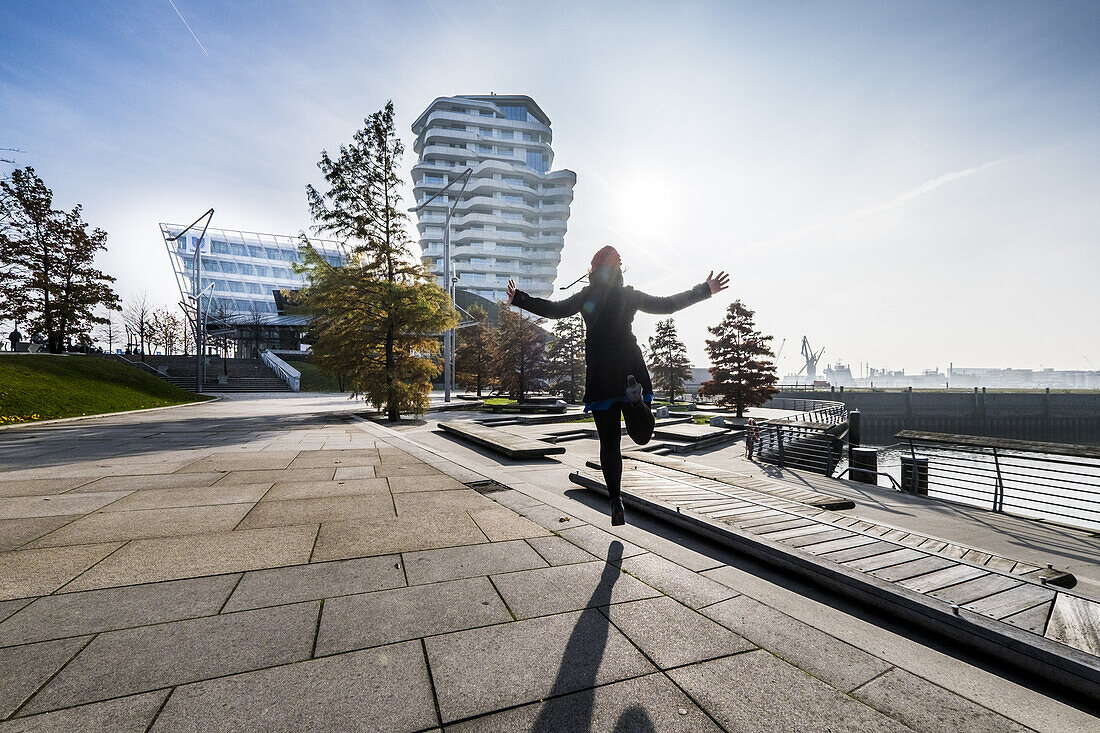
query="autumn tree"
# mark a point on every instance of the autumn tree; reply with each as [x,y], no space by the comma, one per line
[743,374]
[377,318]
[668,359]
[47,273]
[166,330]
[520,348]
[138,316]
[565,364]
[474,355]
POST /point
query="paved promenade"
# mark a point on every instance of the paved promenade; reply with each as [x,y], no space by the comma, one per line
[274,564]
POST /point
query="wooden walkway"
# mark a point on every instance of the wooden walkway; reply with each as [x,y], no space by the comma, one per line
[499,441]
[936,577]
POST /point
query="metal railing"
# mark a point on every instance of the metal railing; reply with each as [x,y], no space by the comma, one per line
[1055,480]
[811,440]
[286,372]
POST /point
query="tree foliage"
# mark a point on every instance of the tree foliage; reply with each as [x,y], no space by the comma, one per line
[47,274]
[743,374]
[520,347]
[475,354]
[565,364]
[378,335]
[376,318]
[668,359]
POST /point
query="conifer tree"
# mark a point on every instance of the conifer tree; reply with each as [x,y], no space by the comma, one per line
[668,359]
[474,355]
[47,273]
[565,358]
[520,352]
[378,316]
[743,374]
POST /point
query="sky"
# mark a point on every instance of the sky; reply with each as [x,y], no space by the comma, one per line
[909,185]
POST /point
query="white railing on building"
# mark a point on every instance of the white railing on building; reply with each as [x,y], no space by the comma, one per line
[286,372]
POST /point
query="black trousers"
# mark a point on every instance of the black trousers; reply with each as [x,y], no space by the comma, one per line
[639,425]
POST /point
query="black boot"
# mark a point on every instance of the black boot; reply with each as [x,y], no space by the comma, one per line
[618,512]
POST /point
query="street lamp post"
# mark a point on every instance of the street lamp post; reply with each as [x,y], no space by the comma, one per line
[199,321]
[449,279]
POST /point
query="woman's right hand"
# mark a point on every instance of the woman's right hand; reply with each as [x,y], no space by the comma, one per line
[511,290]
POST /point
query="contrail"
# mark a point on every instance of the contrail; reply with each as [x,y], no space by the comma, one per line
[188,27]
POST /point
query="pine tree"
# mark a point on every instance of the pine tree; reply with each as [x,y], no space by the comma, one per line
[47,277]
[743,374]
[474,355]
[565,358]
[376,316]
[668,359]
[520,352]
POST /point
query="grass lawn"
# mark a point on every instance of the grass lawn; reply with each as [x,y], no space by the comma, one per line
[313,379]
[44,387]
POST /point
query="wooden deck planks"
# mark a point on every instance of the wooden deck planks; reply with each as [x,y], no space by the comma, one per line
[1011,601]
[1075,622]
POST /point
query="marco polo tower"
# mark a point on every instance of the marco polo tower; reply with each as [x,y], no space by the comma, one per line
[510,222]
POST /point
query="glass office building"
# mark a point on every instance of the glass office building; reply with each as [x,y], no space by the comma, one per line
[245,270]
[511,220]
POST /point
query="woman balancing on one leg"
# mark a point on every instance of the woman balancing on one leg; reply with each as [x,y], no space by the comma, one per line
[616,380]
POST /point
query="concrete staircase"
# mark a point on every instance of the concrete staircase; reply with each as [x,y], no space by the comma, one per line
[240,375]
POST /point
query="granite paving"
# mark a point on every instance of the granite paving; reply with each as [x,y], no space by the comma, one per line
[273,563]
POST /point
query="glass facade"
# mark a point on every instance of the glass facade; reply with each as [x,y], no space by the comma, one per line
[244,268]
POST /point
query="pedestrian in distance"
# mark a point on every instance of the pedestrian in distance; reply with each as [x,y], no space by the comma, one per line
[752,437]
[15,337]
[617,385]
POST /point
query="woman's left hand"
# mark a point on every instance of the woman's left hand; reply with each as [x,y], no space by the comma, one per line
[719,283]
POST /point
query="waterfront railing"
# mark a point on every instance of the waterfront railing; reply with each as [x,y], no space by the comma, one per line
[810,439]
[1059,481]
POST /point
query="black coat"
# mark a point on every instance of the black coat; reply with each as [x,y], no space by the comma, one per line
[610,349]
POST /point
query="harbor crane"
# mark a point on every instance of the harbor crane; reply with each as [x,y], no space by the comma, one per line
[810,367]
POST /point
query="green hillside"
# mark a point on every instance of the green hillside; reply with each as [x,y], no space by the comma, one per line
[43,387]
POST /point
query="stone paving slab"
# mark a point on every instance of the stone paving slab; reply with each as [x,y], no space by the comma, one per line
[500,524]
[675,580]
[23,669]
[151,657]
[410,484]
[562,588]
[433,566]
[599,542]
[296,475]
[345,473]
[407,613]
[361,538]
[145,523]
[433,502]
[89,612]
[28,573]
[14,533]
[824,656]
[121,715]
[671,634]
[928,707]
[283,491]
[189,497]
[559,551]
[756,692]
[641,705]
[385,689]
[336,458]
[146,483]
[190,556]
[527,661]
[41,486]
[51,506]
[315,581]
[375,505]
[402,470]
[268,460]
[7,608]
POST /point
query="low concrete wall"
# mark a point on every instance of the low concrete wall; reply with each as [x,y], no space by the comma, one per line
[1059,417]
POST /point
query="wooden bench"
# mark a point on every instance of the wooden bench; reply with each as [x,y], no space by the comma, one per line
[498,441]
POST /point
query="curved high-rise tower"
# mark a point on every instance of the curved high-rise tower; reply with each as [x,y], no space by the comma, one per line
[511,220]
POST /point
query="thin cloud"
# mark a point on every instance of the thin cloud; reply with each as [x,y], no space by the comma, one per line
[188,27]
[897,201]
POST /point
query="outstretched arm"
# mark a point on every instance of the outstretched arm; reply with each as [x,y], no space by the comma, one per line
[545,308]
[672,303]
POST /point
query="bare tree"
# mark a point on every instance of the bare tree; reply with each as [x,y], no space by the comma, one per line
[138,315]
[166,330]
[109,331]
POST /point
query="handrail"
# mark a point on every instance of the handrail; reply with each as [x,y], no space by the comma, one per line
[286,372]
[981,441]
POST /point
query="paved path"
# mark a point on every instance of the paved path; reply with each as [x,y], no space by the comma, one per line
[268,563]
